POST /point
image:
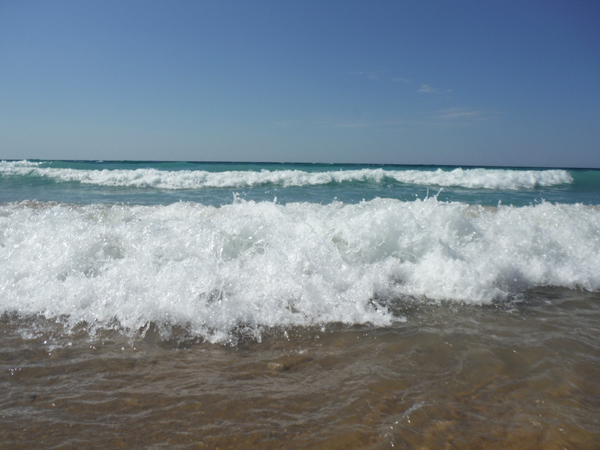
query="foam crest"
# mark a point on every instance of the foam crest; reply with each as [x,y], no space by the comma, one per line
[197,179]
[486,178]
[247,266]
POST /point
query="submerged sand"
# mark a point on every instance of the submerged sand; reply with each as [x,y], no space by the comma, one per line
[524,375]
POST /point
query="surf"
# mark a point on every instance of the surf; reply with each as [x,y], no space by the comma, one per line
[255,265]
[474,178]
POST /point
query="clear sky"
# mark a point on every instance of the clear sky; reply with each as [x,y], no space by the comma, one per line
[405,82]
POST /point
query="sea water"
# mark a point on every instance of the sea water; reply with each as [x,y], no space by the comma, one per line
[252,305]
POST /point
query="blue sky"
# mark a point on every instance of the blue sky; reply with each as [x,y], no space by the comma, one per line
[404,82]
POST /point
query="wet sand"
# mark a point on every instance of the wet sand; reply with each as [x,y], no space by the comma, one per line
[519,376]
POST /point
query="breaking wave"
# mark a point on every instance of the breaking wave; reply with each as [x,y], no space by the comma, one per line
[499,179]
[250,266]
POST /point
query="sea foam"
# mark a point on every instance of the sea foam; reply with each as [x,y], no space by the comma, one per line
[503,179]
[246,266]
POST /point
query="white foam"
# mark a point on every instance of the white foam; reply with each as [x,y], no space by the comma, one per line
[254,265]
[197,179]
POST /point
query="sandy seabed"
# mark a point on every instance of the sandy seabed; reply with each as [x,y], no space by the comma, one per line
[524,375]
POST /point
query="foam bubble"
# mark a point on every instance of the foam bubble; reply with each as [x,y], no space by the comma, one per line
[247,266]
[197,179]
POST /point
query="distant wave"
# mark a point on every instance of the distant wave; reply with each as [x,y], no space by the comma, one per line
[499,179]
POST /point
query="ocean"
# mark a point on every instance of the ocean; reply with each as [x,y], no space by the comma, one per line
[188,305]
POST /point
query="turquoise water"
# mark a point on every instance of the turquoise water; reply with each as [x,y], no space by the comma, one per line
[136,182]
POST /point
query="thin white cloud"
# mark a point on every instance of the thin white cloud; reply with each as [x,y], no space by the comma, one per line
[379,76]
[460,115]
[426,89]
[441,118]
[380,124]
[286,123]
[346,124]
[373,76]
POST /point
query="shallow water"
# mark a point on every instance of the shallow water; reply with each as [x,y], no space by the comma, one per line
[519,374]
